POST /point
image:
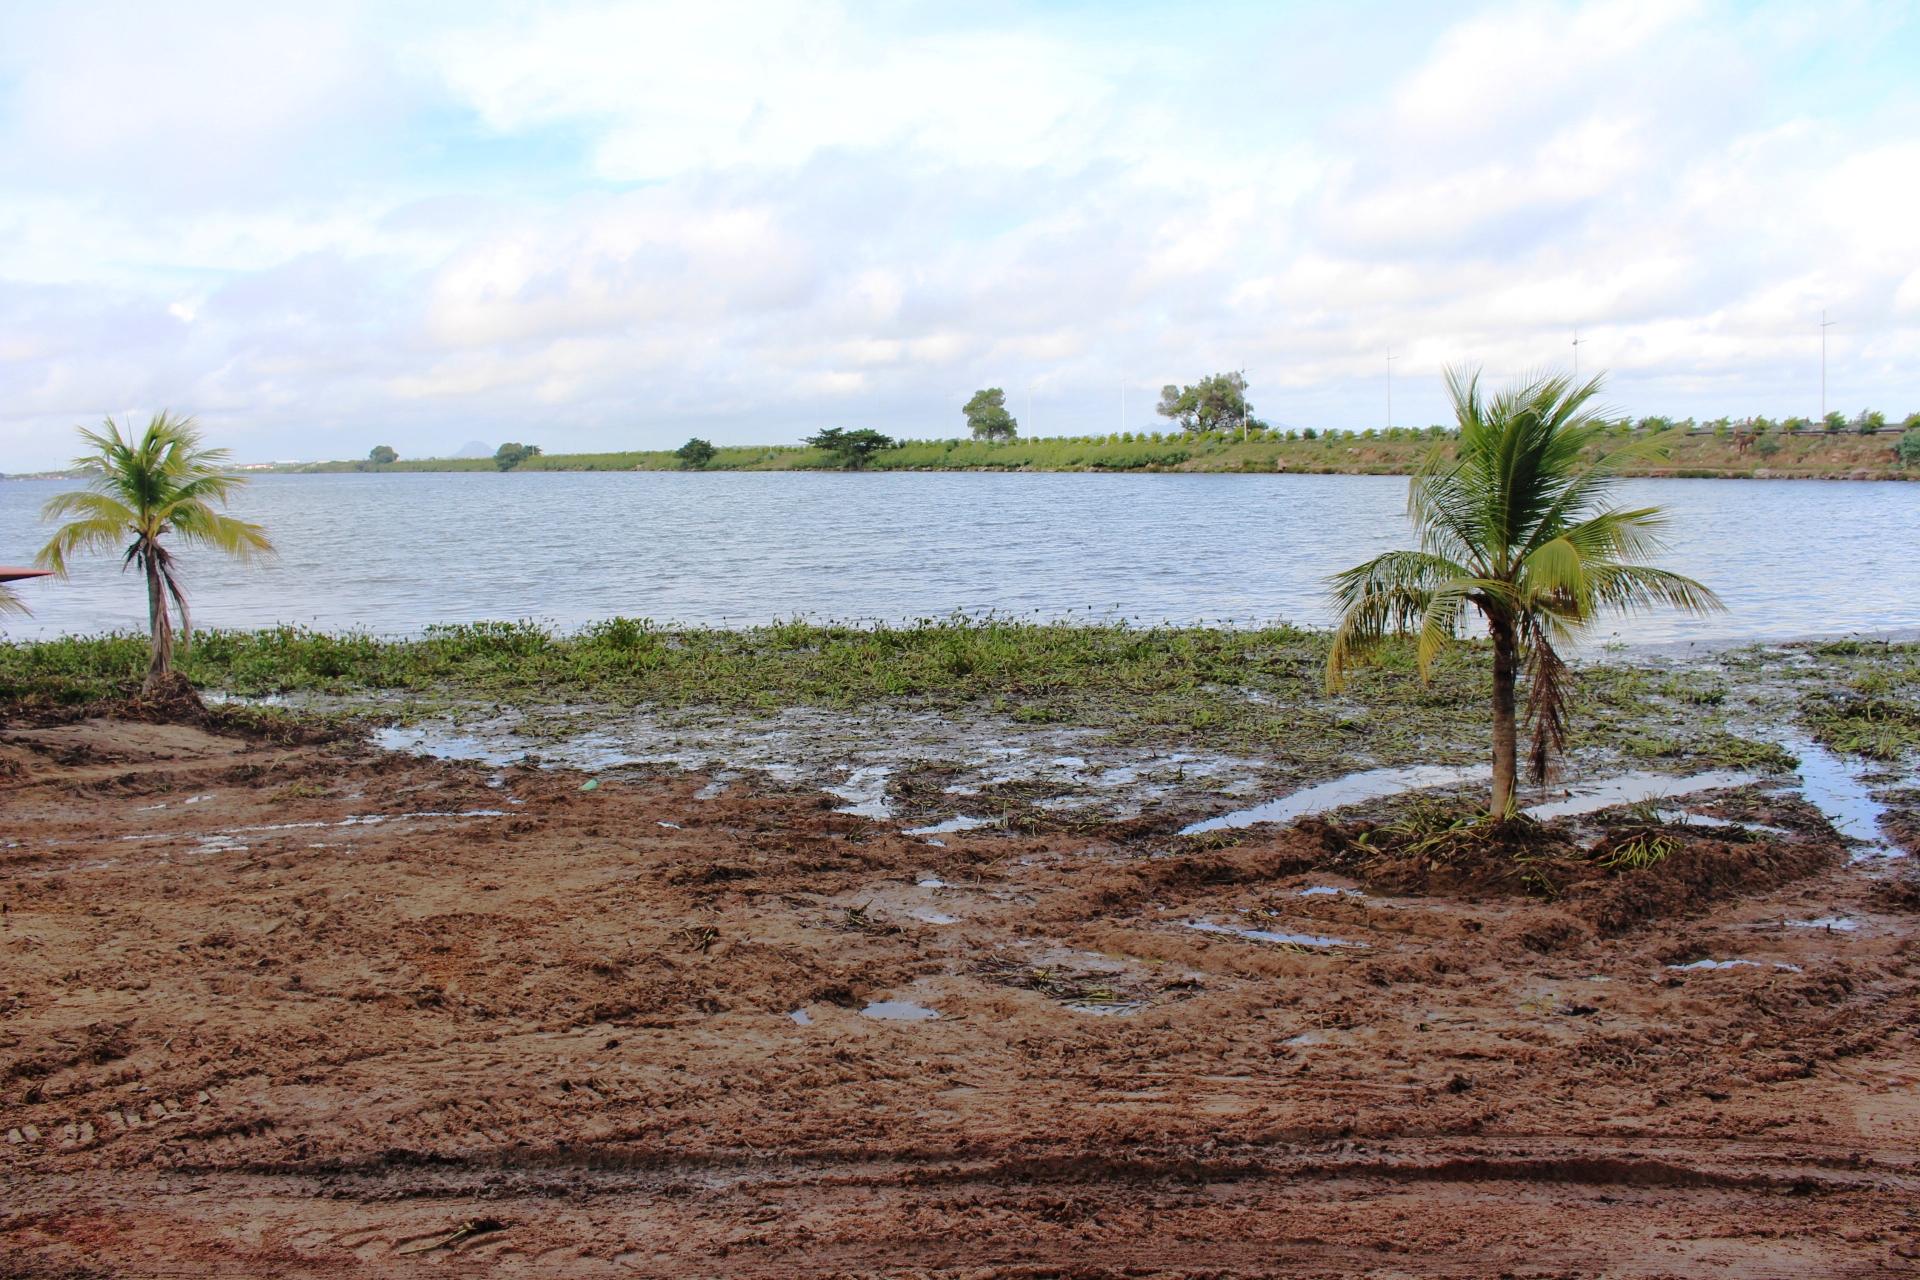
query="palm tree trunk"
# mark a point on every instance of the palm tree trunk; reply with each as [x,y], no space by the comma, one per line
[161,625]
[1506,662]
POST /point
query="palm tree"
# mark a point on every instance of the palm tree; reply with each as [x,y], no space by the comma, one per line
[138,491]
[1514,522]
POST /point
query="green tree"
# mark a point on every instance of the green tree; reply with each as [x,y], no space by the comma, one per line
[138,492]
[1217,402]
[1869,422]
[511,454]
[695,454]
[851,449]
[1909,447]
[1513,522]
[1834,423]
[382,454]
[987,416]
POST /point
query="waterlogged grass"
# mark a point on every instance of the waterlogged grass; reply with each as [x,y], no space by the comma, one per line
[1255,690]
[1868,701]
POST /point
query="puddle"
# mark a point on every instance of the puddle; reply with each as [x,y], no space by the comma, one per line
[1632,788]
[1372,784]
[1830,923]
[1833,785]
[933,884]
[1681,818]
[800,1016]
[1104,1010]
[935,917]
[444,746]
[1320,890]
[950,826]
[1264,935]
[1731,964]
[897,1009]
[867,788]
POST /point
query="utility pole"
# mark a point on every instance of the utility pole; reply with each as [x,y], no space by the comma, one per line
[1576,355]
[1123,405]
[1390,358]
[1824,322]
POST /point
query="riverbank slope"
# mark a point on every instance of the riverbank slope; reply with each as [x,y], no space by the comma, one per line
[1690,455]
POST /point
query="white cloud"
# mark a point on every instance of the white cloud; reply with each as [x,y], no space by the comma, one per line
[620,220]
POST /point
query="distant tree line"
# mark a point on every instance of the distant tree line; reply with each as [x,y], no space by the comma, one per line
[1216,409]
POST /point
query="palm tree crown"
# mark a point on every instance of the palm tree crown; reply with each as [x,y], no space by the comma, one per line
[1514,522]
[140,490]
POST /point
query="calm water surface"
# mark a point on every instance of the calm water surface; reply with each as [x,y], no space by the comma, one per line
[395,553]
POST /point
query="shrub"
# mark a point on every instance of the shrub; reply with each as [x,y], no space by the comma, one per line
[1909,447]
[695,454]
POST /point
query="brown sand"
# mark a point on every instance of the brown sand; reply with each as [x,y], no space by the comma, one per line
[299,1010]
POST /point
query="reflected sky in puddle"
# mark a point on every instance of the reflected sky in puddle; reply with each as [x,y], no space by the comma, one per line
[1265,935]
[899,1010]
[1833,784]
[1731,964]
[949,826]
[1632,788]
[1372,784]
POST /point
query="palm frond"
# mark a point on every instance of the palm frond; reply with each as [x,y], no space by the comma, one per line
[1629,588]
[1549,690]
[1388,594]
[105,524]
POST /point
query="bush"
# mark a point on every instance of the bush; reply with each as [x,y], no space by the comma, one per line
[1909,447]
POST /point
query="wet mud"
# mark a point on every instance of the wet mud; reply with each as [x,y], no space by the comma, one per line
[285,1006]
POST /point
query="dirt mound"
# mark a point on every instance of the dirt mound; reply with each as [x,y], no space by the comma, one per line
[1476,859]
[1698,873]
[1898,895]
[176,702]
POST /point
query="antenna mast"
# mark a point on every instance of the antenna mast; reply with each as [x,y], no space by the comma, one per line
[1824,323]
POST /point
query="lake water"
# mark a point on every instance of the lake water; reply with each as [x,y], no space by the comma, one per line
[394,553]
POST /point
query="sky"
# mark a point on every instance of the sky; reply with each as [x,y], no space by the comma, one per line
[599,226]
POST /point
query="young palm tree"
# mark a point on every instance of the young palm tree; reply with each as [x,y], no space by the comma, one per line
[139,491]
[1514,523]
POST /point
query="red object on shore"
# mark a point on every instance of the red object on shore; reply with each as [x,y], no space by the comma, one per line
[9,573]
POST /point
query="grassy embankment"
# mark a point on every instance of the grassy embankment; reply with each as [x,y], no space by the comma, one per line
[1254,690]
[1690,455]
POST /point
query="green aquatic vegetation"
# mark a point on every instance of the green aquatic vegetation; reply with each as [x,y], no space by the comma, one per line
[1692,692]
[1865,698]
[1877,727]
[1640,851]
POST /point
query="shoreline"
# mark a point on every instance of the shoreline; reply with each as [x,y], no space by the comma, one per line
[1046,725]
[1692,455]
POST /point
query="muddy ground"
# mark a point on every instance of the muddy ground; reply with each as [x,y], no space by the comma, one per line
[310,1008]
